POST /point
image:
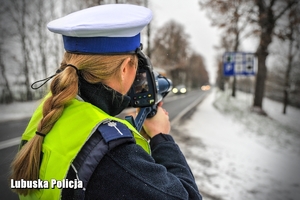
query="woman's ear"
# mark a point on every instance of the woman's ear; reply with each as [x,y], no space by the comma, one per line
[125,68]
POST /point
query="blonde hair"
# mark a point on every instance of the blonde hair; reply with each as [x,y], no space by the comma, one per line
[64,87]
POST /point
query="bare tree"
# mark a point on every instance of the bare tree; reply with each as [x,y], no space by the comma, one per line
[221,79]
[197,74]
[6,93]
[41,21]
[225,45]
[19,14]
[170,50]
[269,12]
[232,16]
[148,34]
[28,54]
[289,34]
[265,13]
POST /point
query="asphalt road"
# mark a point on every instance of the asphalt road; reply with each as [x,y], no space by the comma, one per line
[176,105]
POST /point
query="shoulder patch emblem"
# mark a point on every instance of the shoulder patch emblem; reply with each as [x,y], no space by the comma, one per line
[113,130]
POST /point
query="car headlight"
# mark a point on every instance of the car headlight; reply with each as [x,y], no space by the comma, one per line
[175,90]
[183,90]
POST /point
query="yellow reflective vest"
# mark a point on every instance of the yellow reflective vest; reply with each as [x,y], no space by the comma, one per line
[61,145]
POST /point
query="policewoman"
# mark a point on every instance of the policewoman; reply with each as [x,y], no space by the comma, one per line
[73,136]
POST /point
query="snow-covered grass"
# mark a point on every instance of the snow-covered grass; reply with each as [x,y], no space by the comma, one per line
[236,154]
[275,128]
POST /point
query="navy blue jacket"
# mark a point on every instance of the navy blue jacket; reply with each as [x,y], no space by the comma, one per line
[128,172]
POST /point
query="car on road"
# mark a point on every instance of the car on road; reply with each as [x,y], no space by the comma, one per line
[205,87]
[179,89]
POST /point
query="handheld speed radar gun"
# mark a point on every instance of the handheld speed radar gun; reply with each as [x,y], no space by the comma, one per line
[148,89]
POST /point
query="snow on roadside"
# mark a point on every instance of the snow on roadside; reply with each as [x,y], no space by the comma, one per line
[17,110]
[235,154]
[274,110]
[276,128]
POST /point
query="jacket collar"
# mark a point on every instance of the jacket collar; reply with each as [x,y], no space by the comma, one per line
[102,96]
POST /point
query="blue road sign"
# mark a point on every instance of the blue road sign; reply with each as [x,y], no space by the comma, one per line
[238,63]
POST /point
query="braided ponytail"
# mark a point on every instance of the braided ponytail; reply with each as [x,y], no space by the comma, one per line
[64,88]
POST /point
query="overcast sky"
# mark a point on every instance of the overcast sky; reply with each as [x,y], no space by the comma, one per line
[203,37]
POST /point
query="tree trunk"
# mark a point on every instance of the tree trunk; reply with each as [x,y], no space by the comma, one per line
[148,33]
[236,48]
[260,78]
[42,37]
[267,24]
[7,94]
[28,94]
[148,40]
[285,100]
[233,94]
[287,76]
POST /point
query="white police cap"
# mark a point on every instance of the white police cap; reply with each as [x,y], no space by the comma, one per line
[110,28]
